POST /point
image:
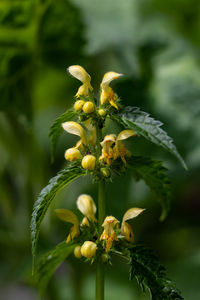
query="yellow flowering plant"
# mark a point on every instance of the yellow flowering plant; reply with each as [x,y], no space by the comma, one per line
[97,237]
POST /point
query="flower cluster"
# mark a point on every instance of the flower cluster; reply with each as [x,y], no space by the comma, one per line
[98,155]
[86,148]
[87,228]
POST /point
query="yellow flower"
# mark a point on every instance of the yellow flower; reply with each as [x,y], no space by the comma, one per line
[92,130]
[107,93]
[109,234]
[74,128]
[112,147]
[88,249]
[69,217]
[80,73]
[87,207]
[126,229]
[107,149]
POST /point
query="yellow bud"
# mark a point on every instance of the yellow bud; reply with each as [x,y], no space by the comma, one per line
[72,154]
[77,252]
[78,105]
[102,112]
[88,107]
[88,162]
[88,249]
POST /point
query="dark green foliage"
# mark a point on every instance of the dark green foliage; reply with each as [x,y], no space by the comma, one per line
[155,176]
[139,121]
[150,274]
[50,262]
[56,129]
[47,195]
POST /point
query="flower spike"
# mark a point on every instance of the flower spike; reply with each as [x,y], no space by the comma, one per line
[79,73]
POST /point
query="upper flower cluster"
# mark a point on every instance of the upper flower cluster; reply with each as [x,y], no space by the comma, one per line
[107,94]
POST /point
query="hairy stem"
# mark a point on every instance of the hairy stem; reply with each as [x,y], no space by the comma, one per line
[101,216]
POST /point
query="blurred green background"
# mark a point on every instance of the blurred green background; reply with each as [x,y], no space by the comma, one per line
[156,45]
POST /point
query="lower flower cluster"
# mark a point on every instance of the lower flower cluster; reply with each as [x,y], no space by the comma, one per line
[86,234]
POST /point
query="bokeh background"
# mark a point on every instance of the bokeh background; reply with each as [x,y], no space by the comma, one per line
[156,45]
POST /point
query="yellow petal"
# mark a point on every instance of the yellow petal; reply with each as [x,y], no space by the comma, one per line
[108,77]
[67,216]
[108,138]
[87,207]
[76,129]
[79,73]
[132,213]
[125,134]
[127,231]
[110,220]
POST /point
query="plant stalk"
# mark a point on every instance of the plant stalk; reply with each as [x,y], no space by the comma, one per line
[101,216]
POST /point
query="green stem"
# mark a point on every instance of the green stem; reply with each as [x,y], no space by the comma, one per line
[101,216]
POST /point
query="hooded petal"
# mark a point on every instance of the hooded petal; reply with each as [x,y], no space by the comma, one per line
[107,78]
[132,213]
[67,216]
[87,207]
[75,128]
[125,134]
[80,73]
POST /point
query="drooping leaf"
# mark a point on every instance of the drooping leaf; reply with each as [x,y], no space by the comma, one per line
[56,128]
[46,196]
[50,262]
[141,122]
[150,274]
[155,176]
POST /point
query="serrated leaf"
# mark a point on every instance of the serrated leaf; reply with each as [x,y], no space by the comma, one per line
[46,196]
[50,262]
[150,274]
[56,129]
[141,122]
[155,176]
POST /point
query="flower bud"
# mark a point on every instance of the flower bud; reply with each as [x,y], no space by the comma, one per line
[88,162]
[88,107]
[88,249]
[105,172]
[72,154]
[104,257]
[78,105]
[102,112]
[77,252]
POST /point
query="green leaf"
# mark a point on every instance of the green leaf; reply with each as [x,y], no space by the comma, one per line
[45,198]
[150,274]
[141,122]
[50,262]
[155,176]
[56,129]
